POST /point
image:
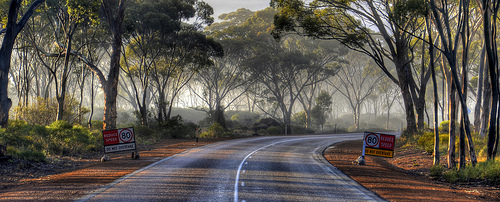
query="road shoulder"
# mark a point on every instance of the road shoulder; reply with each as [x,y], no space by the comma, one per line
[397,184]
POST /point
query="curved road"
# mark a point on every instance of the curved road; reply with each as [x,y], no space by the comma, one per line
[285,168]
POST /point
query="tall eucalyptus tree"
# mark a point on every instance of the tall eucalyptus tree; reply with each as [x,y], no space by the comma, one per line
[351,23]
[10,32]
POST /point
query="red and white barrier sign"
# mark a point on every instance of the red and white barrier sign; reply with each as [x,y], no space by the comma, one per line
[119,140]
[377,144]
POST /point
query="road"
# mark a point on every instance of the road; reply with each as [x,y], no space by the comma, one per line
[284,168]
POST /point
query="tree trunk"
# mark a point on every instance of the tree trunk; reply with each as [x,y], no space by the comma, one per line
[388,118]
[479,96]
[144,115]
[451,131]
[420,110]
[64,77]
[437,155]
[110,111]
[490,13]
[485,111]
[401,63]
[110,87]
[91,102]
[218,116]
[461,144]
[411,126]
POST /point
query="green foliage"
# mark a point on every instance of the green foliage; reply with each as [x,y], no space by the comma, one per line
[97,125]
[444,126]
[262,132]
[322,107]
[44,111]
[437,170]
[489,171]
[300,118]
[66,139]
[426,141]
[83,10]
[145,133]
[275,130]
[451,176]
[215,131]
[59,138]
[31,154]
[473,82]
[301,130]
[4,10]
[176,128]
[405,11]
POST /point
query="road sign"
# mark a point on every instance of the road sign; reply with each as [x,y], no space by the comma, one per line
[119,140]
[377,144]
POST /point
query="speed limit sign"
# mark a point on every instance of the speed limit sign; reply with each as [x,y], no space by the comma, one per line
[119,140]
[378,144]
[372,140]
[126,135]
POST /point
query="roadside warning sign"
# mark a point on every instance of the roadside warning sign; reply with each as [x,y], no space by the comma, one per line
[119,140]
[377,144]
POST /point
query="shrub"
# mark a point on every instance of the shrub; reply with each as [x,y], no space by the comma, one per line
[301,130]
[274,130]
[489,171]
[262,132]
[44,111]
[444,126]
[30,155]
[66,138]
[97,125]
[142,133]
[23,139]
[214,131]
[426,141]
[437,170]
[451,176]
[176,128]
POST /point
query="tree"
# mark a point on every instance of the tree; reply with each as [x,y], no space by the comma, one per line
[224,82]
[349,22]
[11,30]
[68,16]
[489,9]
[323,106]
[390,94]
[284,75]
[449,39]
[324,54]
[436,160]
[113,15]
[169,51]
[356,81]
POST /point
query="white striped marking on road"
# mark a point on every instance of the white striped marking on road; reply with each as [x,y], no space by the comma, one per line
[245,162]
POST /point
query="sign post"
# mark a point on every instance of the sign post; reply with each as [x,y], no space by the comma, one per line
[119,140]
[377,144]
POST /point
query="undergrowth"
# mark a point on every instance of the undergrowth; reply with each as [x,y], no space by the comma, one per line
[488,171]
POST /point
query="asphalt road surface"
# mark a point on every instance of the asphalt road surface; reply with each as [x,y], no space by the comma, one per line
[285,168]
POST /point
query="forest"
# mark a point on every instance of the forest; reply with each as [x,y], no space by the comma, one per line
[168,68]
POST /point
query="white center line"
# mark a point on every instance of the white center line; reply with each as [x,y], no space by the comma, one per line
[245,162]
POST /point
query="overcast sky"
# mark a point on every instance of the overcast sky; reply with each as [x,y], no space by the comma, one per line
[227,6]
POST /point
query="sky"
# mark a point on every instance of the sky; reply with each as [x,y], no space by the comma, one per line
[227,6]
